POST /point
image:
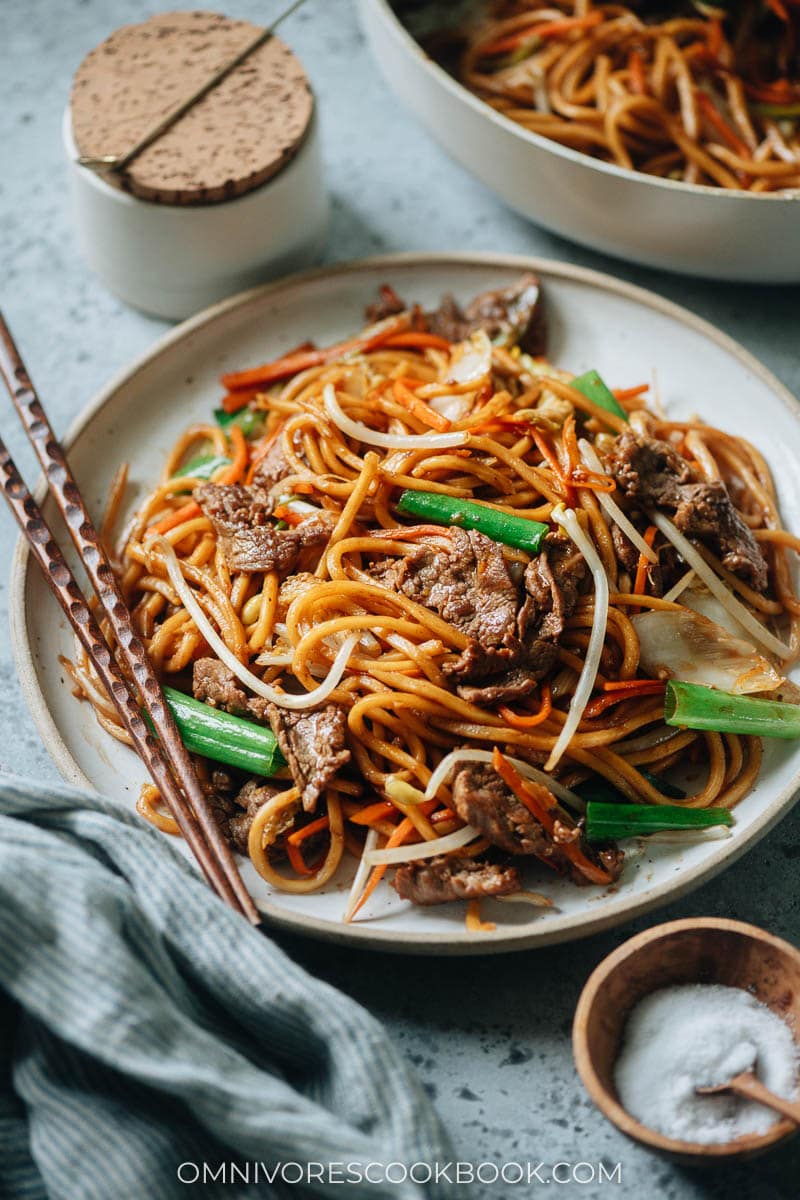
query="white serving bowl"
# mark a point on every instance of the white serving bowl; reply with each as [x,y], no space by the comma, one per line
[172,260]
[656,222]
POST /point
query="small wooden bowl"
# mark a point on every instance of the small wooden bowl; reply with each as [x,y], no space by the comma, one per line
[696,950]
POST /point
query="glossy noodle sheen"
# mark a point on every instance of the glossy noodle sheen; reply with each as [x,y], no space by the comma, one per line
[346,597]
[689,92]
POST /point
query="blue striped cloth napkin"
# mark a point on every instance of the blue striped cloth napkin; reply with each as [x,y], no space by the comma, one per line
[144,1026]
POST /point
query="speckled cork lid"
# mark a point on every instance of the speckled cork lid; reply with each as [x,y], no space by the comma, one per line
[238,136]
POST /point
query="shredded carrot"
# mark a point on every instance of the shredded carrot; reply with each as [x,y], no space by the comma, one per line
[374,812]
[582,478]
[630,393]
[307,831]
[779,8]
[401,833]
[398,837]
[714,40]
[551,458]
[289,515]
[511,41]
[301,360]
[726,132]
[569,441]
[556,28]
[422,411]
[579,475]
[627,685]
[528,720]
[780,91]
[281,368]
[641,569]
[233,401]
[504,45]
[295,857]
[185,513]
[410,532]
[413,339]
[636,65]
[444,814]
[410,382]
[648,687]
[474,921]
[236,470]
[541,803]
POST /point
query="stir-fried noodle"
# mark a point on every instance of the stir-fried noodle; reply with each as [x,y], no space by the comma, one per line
[298,590]
[694,93]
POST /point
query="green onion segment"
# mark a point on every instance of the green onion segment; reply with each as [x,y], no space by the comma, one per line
[691,706]
[222,737]
[203,467]
[615,821]
[467,514]
[249,420]
[594,388]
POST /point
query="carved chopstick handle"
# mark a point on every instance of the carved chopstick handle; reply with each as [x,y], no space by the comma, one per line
[67,496]
[69,596]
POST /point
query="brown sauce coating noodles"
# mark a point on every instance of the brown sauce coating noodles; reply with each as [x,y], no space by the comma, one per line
[403,714]
[706,98]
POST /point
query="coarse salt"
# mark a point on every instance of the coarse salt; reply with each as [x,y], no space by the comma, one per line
[700,1035]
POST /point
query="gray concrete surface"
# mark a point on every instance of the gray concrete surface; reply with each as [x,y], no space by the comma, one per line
[490,1037]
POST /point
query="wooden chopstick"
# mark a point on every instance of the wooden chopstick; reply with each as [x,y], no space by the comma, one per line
[73,603]
[191,809]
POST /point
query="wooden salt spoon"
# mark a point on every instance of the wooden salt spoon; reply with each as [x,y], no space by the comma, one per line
[748,1085]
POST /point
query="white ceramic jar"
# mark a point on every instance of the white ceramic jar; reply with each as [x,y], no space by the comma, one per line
[172,260]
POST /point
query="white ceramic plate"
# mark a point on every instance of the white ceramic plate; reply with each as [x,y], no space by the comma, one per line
[681,227]
[595,321]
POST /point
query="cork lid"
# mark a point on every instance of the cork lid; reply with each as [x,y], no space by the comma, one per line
[236,137]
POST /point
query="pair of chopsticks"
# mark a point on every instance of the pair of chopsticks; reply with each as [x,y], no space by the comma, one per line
[164,756]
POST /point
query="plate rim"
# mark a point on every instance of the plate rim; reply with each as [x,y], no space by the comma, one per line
[384,11]
[504,939]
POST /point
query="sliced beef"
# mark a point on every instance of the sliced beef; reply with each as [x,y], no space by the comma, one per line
[660,575]
[611,857]
[388,304]
[465,580]
[449,320]
[232,506]
[649,470]
[508,687]
[313,744]
[625,552]
[436,880]
[552,582]
[213,683]
[241,517]
[219,791]
[273,467]
[706,512]
[249,799]
[481,798]
[552,587]
[216,685]
[512,316]
[653,473]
